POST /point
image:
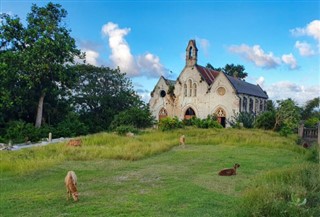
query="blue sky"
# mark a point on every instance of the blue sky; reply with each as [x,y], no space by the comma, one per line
[278,42]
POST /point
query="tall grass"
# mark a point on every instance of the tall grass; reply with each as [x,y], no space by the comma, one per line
[288,192]
[113,146]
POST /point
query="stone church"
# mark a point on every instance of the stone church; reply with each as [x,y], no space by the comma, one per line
[199,91]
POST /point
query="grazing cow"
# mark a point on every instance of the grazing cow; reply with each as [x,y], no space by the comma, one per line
[71,185]
[229,172]
[74,142]
[182,140]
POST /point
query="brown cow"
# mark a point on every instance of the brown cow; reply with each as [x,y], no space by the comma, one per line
[71,185]
[182,140]
[229,172]
[74,142]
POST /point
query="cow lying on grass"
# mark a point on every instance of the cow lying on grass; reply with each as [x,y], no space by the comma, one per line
[71,185]
[74,142]
[229,172]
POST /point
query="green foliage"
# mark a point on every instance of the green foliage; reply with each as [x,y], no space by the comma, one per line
[231,70]
[313,153]
[244,118]
[311,109]
[265,121]
[41,53]
[209,122]
[168,123]
[20,131]
[137,117]
[124,129]
[71,126]
[290,192]
[312,122]
[101,93]
[287,115]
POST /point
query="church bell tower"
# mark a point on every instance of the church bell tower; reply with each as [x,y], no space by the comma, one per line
[191,54]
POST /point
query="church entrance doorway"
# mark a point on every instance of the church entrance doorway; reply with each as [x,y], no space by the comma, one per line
[221,116]
[163,113]
[189,114]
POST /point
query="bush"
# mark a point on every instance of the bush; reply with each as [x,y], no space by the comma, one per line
[209,122]
[20,131]
[266,120]
[311,122]
[137,117]
[247,119]
[124,129]
[71,126]
[168,123]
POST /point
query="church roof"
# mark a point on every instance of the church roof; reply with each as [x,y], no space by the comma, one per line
[243,87]
[207,74]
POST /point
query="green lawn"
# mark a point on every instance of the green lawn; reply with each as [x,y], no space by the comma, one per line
[163,180]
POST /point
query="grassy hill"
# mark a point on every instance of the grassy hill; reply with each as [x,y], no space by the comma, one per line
[151,175]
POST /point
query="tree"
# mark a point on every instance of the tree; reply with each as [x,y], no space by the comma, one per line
[42,52]
[287,115]
[312,108]
[231,70]
[100,94]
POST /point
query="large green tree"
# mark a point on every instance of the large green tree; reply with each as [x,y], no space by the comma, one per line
[232,70]
[102,93]
[287,115]
[38,56]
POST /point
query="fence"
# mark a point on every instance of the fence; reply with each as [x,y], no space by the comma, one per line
[309,135]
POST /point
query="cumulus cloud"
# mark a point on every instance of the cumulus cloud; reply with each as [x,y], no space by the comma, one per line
[312,29]
[142,65]
[92,57]
[290,60]
[304,48]
[260,81]
[285,89]
[256,55]
[120,51]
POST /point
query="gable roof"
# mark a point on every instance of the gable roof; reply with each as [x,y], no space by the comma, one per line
[243,87]
[169,82]
[207,74]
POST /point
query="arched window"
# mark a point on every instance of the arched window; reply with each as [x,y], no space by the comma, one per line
[261,105]
[250,105]
[185,90]
[190,86]
[190,53]
[194,89]
[245,104]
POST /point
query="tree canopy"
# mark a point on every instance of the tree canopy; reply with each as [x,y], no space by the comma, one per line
[231,70]
[39,55]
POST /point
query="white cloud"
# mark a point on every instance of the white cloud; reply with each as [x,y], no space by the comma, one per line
[290,60]
[120,51]
[144,65]
[92,57]
[256,55]
[260,81]
[304,48]
[150,65]
[312,29]
[299,93]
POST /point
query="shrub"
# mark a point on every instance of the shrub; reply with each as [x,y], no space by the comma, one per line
[312,122]
[71,126]
[123,129]
[247,119]
[168,123]
[266,120]
[209,122]
[137,117]
[20,131]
